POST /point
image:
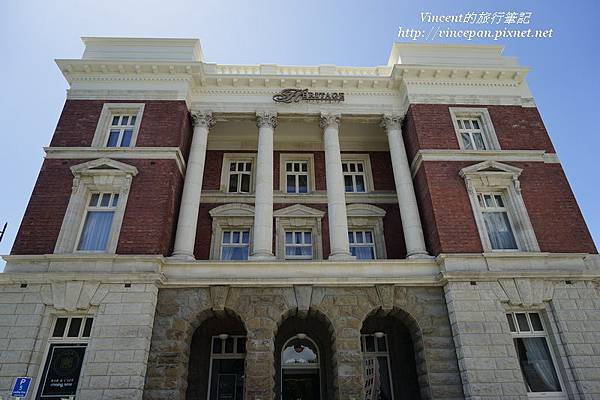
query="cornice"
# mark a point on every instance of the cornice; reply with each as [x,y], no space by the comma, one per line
[478,156]
[156,153]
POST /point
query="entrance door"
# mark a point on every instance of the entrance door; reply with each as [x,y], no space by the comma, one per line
[300,369]
[227,367]
[301,386]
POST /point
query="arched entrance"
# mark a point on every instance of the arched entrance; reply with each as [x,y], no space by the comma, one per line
[303,358]
[217,354]
[390,365]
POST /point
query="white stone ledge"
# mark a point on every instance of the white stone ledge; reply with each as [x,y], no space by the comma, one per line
[85,263]
[149,153]
[7,278]
[317,197]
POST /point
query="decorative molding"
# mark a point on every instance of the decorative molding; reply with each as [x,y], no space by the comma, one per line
[218,297]
[266,119]
[303,294]
[298,211]
[73,295]
[317,197]
[203,119]
[526,292]
[391,122]
[327,119]
[386,296]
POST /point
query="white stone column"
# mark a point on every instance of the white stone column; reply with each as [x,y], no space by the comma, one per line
[336,195]
[407,201]
[185,238]
[263,205]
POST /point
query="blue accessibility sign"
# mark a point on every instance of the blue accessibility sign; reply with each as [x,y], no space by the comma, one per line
[21,387]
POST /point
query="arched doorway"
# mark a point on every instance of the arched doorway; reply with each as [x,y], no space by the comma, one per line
[217,355]
[303,358]
[390,365]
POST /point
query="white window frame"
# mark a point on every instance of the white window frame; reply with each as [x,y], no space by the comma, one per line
[491,209]
[367,171]
[110,208]
[485,122]
[233,244]
[493,176]
[101,175]
[230,217]
[109,110]
[375,354]
[79,340]
[298,218]
[303,233]
[367,217]
[544,333]
[354,243]
[237,157]
[308,158]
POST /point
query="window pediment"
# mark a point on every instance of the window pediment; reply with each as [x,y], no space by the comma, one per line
[364,210]
[491,174]
[233,210]
[298,210]
[105,166]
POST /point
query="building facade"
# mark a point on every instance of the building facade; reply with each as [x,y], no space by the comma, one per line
[208,231]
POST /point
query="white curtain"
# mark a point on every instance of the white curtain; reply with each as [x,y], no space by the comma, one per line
[234,253]
[362,253]
[96,230]
[538,356]
[499,230]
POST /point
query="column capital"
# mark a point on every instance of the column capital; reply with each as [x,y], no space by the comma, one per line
[326,120]
[202,118]
[391,121]
[266,119]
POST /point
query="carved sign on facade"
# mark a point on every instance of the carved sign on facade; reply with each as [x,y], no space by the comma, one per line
[298,95]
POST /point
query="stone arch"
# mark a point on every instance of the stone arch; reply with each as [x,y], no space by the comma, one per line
[405,341]
[318,327]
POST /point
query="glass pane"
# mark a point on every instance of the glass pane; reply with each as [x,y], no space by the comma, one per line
[344,167]
[94,199]
[105,200]
[115,200]
[368,237]
[480,198]
[360,183]
[245,237]
[59,328]
[475,124]
[488,200]
[499,231]
[478,139]
[381,345]
[307,237]
[299,351]
[226,237]
[385,390]
[288,237]
[288,167]
[467,124]
[74,327]
[304,167]
[536,322]
[348,183]
[113,138]
[499,201]
[245,183]
[298,237]
[352,167]
[511,322]
[296,167]
[303,183]
[240,166]
[522,321]
[363,252]
[236,237]
[217,344]
[291,184]
[96,230]
[360,167]
[126,141]
[232,166]
[236,253]
[125,120]
[115,120]
[229,345]
[233,181]
[87,328]
[536,365]
[248,167]
[359,237]
[466,141]
[241,345]
[460,124]
[370,343]
[351,237]
[132,122]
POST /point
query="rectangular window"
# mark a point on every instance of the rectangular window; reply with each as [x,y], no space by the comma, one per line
[497,221]
[471,133]
[120,131]
[235,245]
[535,357]
[298,245]
[240,173]
[68,342]
[296,176]
[354,176]
[362,245]
[98,222]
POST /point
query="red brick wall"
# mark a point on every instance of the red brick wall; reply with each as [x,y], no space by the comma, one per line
[150,215]
[429,126]
[164,124]
[448,219]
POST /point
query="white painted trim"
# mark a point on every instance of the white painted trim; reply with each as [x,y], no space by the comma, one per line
[318,197]
[229,157]
[369,218]
[135,153]
[368,172]
[110,109]
[298,217]
[489,133]
[234,216]
[309,158]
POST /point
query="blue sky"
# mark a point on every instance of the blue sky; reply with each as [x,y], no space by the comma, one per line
[563,79]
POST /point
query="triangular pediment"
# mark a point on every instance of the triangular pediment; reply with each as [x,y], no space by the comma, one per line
[364,210]
[104,164]
[491,167]
[298,210]
[232,210]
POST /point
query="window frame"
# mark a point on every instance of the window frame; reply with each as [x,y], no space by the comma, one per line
[365,159]
[228,158]
[298,218]
[230,217]
[240,244]
[367,217]
[490,139]
[109,110]
[303,233]
[376,354]
[309,158]
[506,209]
[544,333]
[87,210]
[355,244]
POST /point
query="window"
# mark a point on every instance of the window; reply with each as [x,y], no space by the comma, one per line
[296,176]
[118,125]
[98,221]
[298,245]
[378,384]
[497,222]
[93,218]
[500,214]
[64,359]
[354,176]
[227,367]
[535,356]
[121,130]
[240,173]
[474,129]
[471,133]
[235,245]
[362,245]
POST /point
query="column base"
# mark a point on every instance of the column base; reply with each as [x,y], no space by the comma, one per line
[341,257]
[416,256]
[261,257]
[182,257]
